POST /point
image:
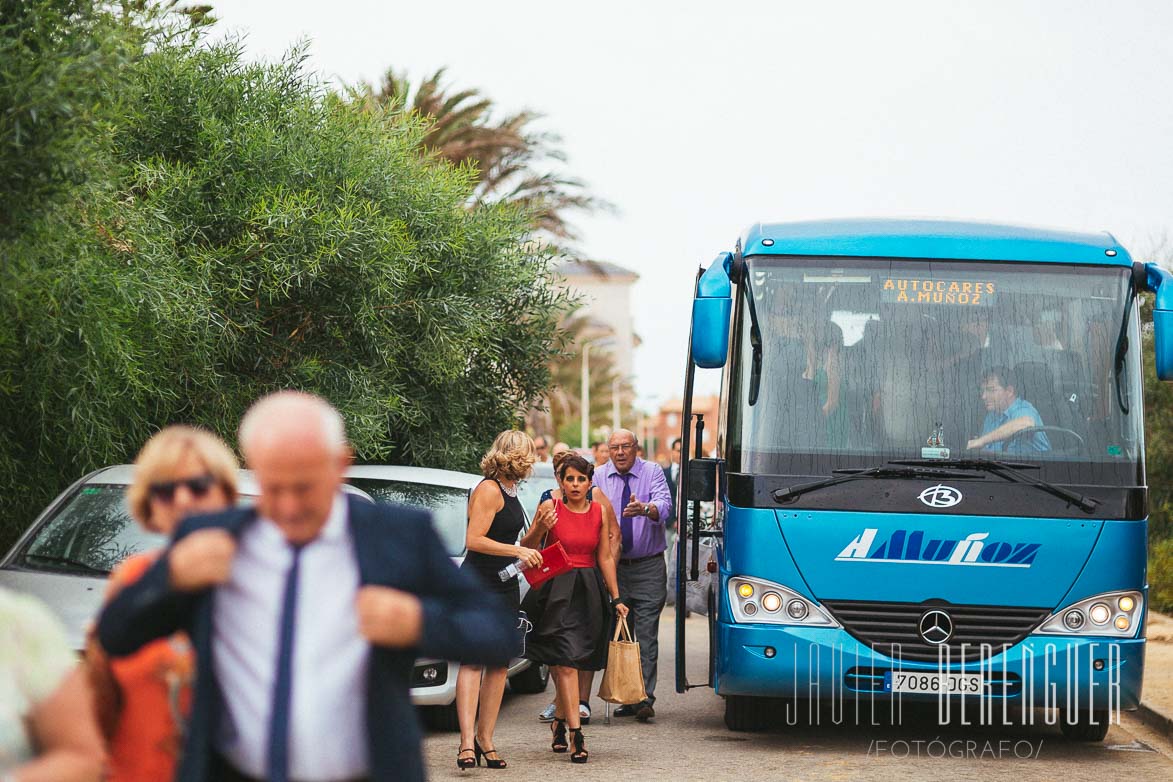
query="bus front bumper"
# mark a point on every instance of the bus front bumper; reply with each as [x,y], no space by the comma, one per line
[1041,671]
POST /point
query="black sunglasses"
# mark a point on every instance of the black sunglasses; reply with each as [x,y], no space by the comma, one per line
[164,491]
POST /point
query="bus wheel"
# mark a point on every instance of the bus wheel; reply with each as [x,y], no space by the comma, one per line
[1088,726]
[744,713]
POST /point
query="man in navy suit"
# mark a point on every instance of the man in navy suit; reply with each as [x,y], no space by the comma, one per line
[306,613]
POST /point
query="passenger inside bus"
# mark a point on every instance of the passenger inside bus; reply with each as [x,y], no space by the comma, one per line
[805,347]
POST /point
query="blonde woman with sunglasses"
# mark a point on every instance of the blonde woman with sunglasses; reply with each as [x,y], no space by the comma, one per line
[144,699]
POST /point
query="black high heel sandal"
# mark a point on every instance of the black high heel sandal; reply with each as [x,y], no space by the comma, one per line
[489,762]
[463,763]
[580,754]
[558,741]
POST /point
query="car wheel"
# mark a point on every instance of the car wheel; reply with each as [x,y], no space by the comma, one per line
[532,679]
[441,718]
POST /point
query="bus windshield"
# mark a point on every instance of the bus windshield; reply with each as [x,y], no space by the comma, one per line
[865,360]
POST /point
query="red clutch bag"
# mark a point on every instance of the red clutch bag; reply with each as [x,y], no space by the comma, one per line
[554,563]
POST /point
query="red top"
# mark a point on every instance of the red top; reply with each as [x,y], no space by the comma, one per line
[578,532]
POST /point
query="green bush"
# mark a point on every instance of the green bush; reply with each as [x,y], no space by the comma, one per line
[246,231]
[1161,575]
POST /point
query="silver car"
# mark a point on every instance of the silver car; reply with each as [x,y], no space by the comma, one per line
[445,494]
[66,554]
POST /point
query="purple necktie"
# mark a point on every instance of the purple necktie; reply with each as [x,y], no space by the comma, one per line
[625,521]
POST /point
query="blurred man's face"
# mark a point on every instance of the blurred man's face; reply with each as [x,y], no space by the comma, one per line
[541,448]
[676,453]
[622,448]
[298,478]
[602,453]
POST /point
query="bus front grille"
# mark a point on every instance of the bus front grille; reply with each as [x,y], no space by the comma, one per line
[893,629]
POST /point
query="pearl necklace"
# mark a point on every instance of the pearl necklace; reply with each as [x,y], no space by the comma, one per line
[509,490]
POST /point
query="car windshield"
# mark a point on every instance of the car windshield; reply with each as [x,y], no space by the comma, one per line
[870,359]
[91,533]
[448,505]
[530,490]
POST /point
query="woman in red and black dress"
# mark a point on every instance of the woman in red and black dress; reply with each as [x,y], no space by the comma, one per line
[572,613]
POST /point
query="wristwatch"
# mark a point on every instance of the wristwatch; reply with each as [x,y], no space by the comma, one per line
[616,601]
[647,508]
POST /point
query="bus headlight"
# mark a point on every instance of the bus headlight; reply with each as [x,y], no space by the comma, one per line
[799,610]
[1113,614]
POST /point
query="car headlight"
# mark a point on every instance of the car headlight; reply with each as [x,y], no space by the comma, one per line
[1114,614]
[429,674]
[756,600]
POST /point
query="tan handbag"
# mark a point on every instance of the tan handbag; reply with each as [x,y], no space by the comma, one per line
[623,681]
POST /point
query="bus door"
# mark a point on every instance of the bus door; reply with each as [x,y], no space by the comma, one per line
[708,345]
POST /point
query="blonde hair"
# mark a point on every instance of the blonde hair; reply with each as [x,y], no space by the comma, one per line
[162,454]
[510,458]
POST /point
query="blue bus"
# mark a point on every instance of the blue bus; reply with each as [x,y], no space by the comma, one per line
[929,474]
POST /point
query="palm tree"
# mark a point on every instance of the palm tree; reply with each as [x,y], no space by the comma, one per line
[514,162]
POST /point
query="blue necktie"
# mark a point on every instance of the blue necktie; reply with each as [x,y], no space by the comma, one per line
[625,529]
[278,759]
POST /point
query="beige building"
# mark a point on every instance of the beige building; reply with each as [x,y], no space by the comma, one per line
[605,291]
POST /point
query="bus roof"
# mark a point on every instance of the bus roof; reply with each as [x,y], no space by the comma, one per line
[944,239]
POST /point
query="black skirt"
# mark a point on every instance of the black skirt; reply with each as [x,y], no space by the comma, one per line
[571,616]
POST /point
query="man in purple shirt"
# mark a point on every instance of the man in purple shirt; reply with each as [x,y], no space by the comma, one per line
[641,499]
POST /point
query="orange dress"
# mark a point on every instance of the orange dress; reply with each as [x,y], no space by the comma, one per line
[154,686]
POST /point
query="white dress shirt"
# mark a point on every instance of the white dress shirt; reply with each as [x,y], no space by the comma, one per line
[327,724]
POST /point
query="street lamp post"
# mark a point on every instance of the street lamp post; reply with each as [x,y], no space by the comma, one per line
[586,387]
[614,404]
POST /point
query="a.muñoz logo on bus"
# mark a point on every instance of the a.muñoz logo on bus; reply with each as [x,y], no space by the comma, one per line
[905,546]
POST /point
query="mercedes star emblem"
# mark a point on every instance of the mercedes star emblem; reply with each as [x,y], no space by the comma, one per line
[936,627]
[940,496]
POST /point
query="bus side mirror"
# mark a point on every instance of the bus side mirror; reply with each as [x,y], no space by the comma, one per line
[1160,282]
[710,314]
[702,480]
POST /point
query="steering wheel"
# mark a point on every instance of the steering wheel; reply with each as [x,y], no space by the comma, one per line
[1080,445]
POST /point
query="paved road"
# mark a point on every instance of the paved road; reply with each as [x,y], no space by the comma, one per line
[689,741]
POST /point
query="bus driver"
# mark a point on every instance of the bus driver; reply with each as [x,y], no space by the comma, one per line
[1007,415]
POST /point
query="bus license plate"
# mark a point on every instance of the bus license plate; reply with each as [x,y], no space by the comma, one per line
[933,683]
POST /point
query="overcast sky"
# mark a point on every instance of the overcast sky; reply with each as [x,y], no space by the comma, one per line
[697,120]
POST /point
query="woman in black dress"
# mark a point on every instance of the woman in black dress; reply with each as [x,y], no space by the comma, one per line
[495,519]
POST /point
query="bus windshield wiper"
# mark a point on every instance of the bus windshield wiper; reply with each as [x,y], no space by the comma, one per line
[845,475]
[68,561]
[755,338]
[1010,471]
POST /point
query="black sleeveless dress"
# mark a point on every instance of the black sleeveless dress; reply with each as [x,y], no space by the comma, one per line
[506,528]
